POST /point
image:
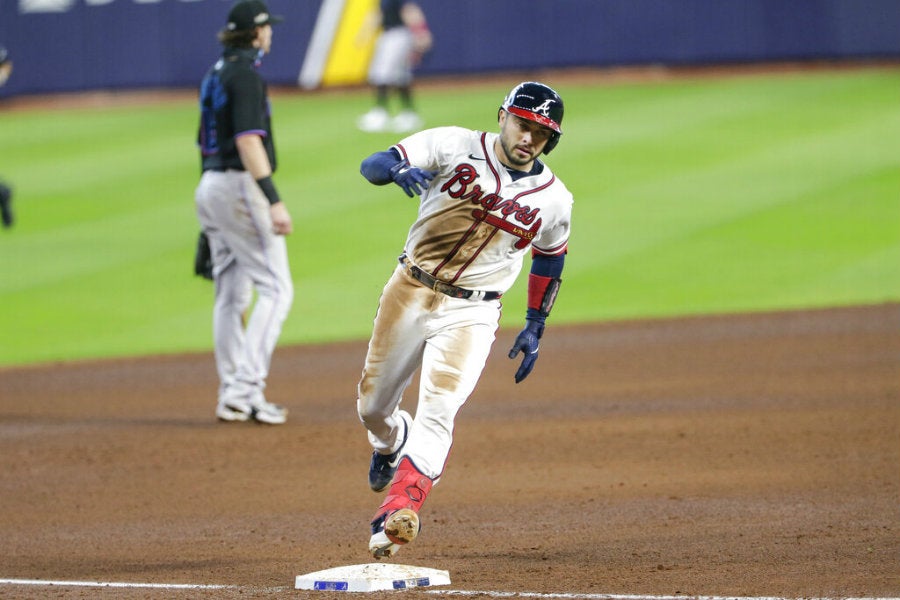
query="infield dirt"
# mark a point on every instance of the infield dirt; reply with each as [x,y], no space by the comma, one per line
[746,455]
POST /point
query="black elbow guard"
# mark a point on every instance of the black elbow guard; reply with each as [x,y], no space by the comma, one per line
[550,296]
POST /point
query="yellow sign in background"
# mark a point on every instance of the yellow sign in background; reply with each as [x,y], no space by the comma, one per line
[348,61]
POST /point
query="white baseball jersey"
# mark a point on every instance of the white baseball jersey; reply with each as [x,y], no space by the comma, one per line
[475,222]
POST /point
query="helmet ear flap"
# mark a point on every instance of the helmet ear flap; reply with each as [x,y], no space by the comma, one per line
[551,143]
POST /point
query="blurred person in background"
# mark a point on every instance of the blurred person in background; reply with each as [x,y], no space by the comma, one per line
[6,214]
[243,216]
[403,40]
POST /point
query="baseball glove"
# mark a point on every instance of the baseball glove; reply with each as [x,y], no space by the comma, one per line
[203,258]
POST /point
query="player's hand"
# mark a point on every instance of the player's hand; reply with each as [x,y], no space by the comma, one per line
[528,342]
[281,219]
[413,180]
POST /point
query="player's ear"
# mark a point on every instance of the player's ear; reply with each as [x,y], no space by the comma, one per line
[500,112]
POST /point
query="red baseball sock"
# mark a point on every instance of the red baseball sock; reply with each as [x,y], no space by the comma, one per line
[408,490]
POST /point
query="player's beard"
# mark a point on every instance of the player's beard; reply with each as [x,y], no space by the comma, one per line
[513,159]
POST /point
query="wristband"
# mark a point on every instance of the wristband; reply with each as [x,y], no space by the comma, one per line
[535,321]
[268,188]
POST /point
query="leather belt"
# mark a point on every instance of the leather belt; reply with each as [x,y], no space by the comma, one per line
[437,285]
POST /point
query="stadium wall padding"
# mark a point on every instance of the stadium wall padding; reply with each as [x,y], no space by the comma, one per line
[126,44]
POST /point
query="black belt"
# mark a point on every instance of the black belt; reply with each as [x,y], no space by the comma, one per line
[445,288]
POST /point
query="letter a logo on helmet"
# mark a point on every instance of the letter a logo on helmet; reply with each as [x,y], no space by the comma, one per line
[536,102]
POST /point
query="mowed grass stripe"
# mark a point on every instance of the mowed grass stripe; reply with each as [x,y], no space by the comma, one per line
[692,196]
[682,234]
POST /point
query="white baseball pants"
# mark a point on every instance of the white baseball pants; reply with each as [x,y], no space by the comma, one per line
[450,340]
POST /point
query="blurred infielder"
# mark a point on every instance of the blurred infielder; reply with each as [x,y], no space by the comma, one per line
[6,212]
[486,199]
[403,40]
[243,216]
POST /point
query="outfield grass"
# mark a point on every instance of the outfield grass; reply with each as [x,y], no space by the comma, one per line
[692,197]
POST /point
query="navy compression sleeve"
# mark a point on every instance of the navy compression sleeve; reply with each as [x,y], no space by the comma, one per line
[548,266]
[377,167]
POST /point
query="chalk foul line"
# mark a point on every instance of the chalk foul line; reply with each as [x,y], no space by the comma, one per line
[574,596]
[119,584]
[488,593]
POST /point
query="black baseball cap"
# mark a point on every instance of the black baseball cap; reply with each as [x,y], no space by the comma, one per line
[247,14]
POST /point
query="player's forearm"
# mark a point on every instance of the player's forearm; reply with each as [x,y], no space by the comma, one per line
[377,167]
[256,162]
[543,284]
[253,155]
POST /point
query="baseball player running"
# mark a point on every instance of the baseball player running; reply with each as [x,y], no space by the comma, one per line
[243,216]
[486,198]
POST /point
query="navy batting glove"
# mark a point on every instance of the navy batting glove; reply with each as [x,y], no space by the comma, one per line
[413,180]
[527,342]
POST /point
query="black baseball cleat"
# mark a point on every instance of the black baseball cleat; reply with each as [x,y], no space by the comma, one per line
[383,466]
[6,206]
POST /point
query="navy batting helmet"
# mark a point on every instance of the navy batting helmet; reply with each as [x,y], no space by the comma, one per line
[539,103]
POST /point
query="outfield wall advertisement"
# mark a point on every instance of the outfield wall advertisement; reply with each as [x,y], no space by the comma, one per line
[69,45]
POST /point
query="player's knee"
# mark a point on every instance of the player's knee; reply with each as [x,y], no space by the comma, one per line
[284,300]
[369,408]
[288,293]
[279,293]
[234,300]
[369,411]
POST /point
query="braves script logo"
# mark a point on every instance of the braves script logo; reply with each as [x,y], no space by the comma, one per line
[461,186]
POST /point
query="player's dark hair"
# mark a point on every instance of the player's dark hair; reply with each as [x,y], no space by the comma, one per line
[237,39]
